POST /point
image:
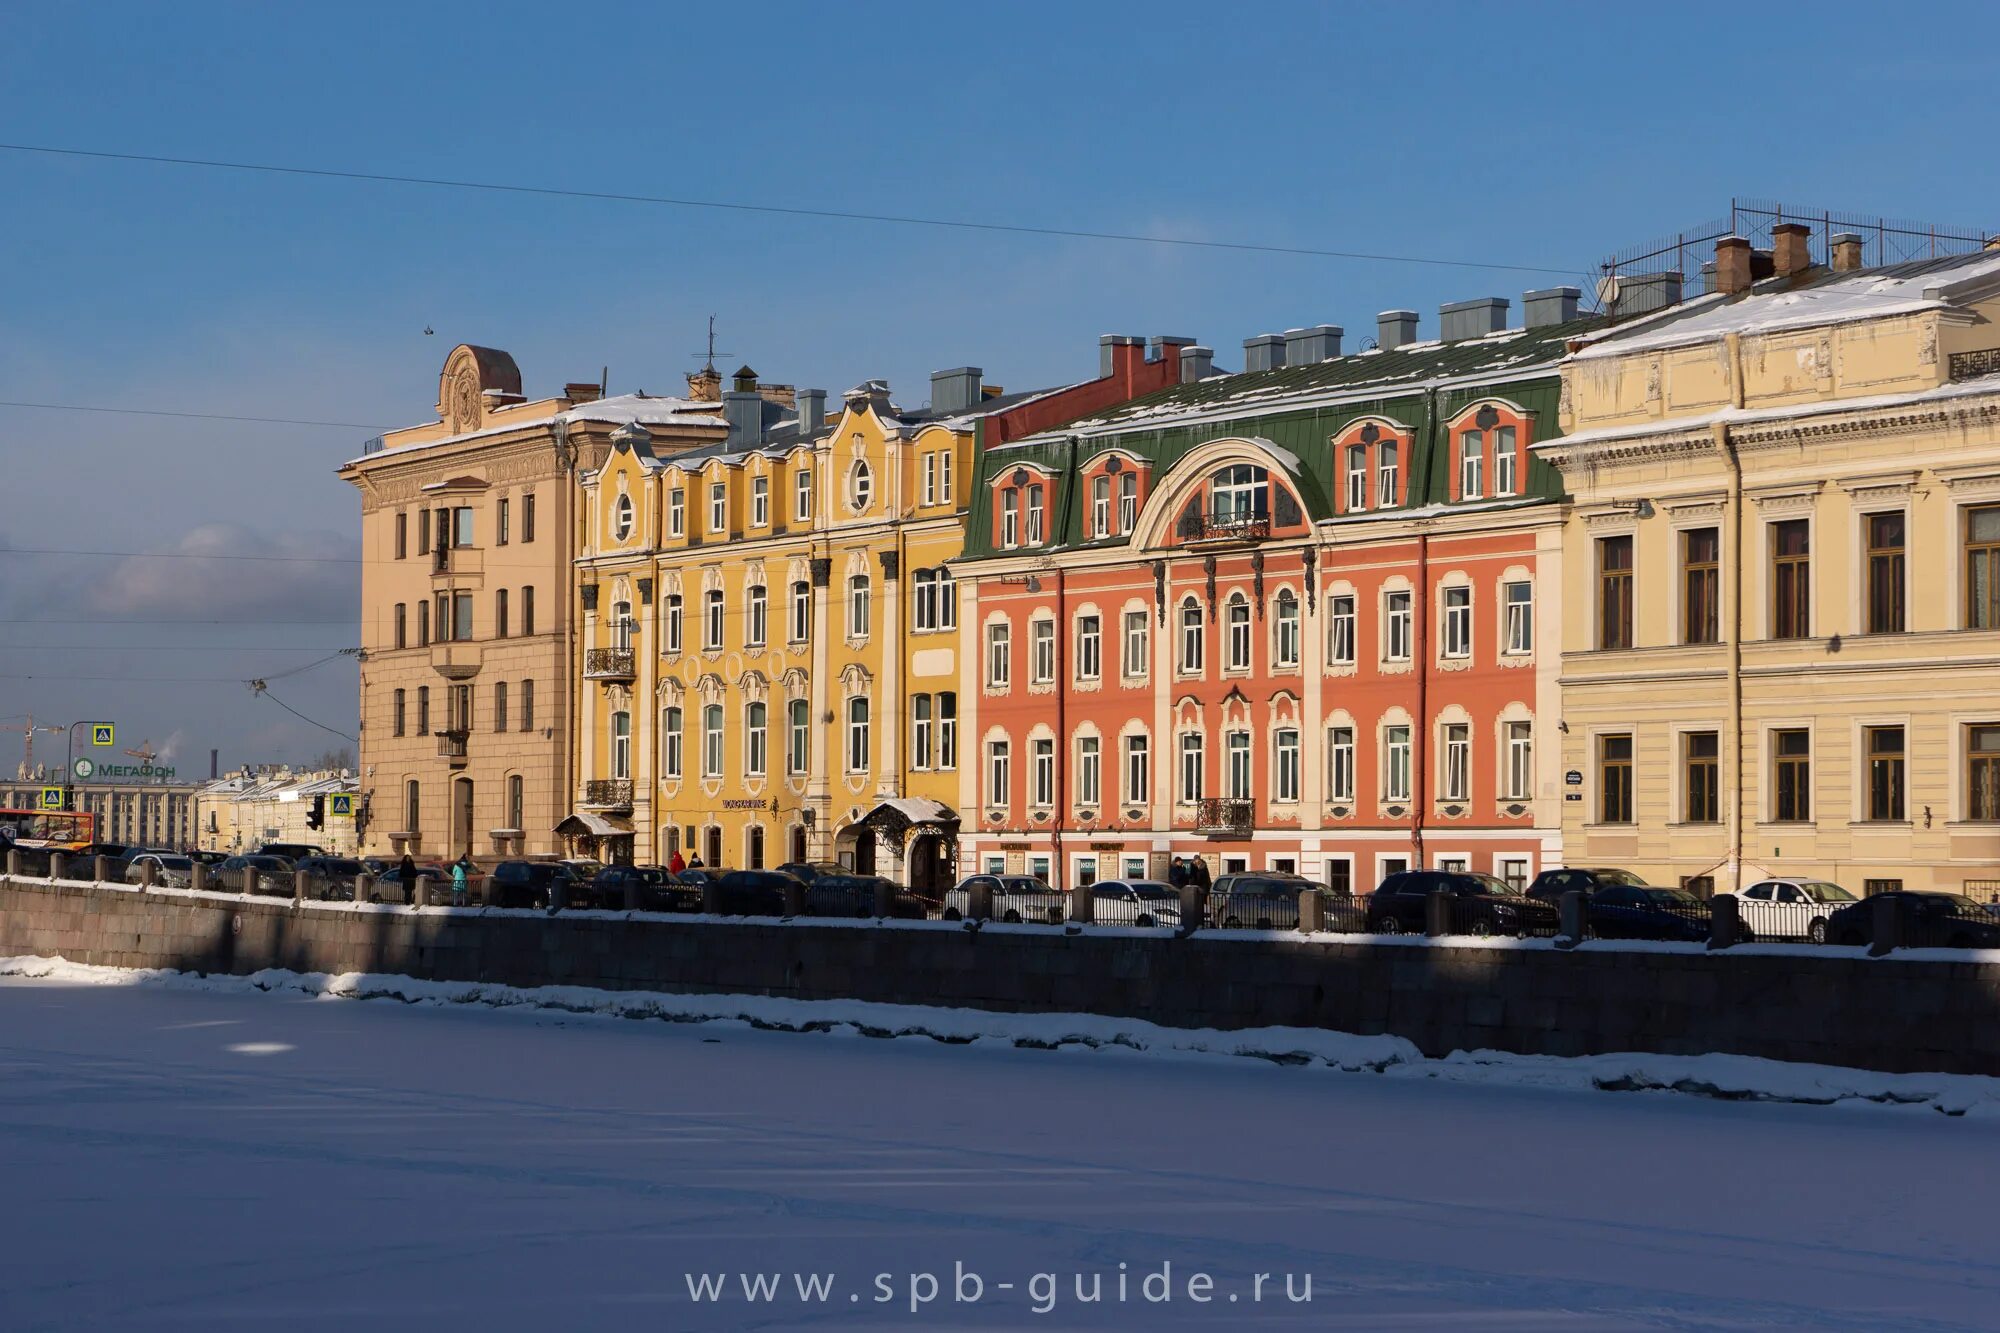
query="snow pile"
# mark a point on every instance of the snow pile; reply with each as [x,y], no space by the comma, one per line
[1724,1077]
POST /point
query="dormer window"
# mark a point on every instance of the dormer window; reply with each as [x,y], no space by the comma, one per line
[760,502]
[676,512]
[1239,496]
[1010,518]
[718,506]
[1036,532]
[1386,488]
[1504,462]
[1100,507]
[1471,464]
[621,518]
[1357,477]
[1128,502]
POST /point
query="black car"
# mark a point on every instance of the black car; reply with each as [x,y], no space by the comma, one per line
[753,892]
[1928,920]
[842,893]
[1636,912]
[330,877]
[1480,905]
[1264,900]
[658,890]
[531,884]
[808,871]
[291,851]
[1551,885]
[697,876]
[274,874]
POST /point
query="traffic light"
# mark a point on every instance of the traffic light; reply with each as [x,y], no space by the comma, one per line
[316,816]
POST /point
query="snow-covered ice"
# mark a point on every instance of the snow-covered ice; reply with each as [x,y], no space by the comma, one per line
[187,1152]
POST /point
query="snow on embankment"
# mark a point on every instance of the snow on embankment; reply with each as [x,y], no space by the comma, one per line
[1726,1077]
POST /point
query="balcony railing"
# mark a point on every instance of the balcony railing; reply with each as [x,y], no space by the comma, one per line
[1218,815]
[609,664]
[452,744]
[1971,365]
[607,794]
[1201,526]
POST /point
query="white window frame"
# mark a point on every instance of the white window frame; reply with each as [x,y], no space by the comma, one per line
[1341,627]
[1089,770]
[1138,769]
[860,737]
[1193,766]
[711,741]
[1519,738]
[760,502]
[1506,462]
[1042,651]
[1194,632]
[1388,476]
[760,616]
[1518,618]
[713,615]
[999,654]
[1042,772]
[677,512]
[802,495]
[1357,478]
[1285,778]
[1455,774]
[1396,762]
[1471,465]
[1128,501]
[1239,768]
[1396,624]
[1237,637]
[1340,763]
[718,506]
[756,737]
[1285,655]
[1090,647]
[999,773]
[1456,642]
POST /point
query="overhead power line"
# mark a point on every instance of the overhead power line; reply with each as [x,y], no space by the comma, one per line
[187,555]
[738,206]
[115,620]
[191,416]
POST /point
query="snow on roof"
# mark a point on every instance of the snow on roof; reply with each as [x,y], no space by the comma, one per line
[621,409]
[1898,290]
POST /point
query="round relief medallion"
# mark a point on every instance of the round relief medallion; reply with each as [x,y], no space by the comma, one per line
[465,402]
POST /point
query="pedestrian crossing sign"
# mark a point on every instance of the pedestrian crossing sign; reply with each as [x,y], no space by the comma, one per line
[340,804]
[52,798]
[101,733]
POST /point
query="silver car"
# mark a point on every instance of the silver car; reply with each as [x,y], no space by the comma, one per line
[1135,902]
[1015,898]
[169,871]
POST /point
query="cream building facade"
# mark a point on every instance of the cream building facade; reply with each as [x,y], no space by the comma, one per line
[470,529]
[1781,621]
[243,812]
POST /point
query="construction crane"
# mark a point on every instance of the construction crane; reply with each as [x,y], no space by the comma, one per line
[145,753]
[28,730]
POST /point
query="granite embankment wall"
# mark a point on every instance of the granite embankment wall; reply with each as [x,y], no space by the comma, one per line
[1830,1006]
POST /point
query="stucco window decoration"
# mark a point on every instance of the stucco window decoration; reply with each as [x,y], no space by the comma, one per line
[860,485]
[621,519]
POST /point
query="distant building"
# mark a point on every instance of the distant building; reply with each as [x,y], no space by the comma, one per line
[152,810]
[243,812]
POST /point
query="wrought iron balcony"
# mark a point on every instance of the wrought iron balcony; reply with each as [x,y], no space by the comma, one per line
[452,744]
[609,664]
[1221,816]
[1201,525]
[1971,365]
[607,794]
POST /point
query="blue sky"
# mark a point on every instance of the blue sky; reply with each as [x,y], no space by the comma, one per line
[1542,136]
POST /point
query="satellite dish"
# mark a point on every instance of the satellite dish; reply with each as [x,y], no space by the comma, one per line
[1607,291]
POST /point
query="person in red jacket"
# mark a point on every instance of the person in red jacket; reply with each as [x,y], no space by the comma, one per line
[677,864]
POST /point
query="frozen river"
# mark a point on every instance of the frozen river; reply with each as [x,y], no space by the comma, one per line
[186,1158]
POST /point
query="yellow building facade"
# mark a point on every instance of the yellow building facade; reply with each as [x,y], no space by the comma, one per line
[769,640]
[1781,601]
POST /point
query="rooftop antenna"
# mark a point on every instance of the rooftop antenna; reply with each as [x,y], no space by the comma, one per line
[708,364]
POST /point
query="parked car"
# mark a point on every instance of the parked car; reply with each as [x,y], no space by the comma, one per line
[1484,905]
[1551,885]
[1015,898]
[657,890]
[842,893]
[1135,902]
[532,884]
[169,871]
[330,877]
[208,858]
[390,888]
[274,874]
[753,892]
[1642,912]
[1264,900]
[291,851]
[1929,920]
[1788,908]
[700,875]
[808,871]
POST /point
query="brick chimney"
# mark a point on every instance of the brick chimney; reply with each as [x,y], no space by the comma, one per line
[1732,265]
[1791,249]
[1844,248]
[705,385]
[582,393]
[1120,356]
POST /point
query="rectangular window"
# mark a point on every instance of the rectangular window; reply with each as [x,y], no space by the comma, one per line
[1239,634]
[1340,630]
[760,618]
[401,620]
[1982,567]
[997,774]
[1791,763]
[1010,518]
[1357,477]
[920,731]
[1036,531]
[802,612]
[1135,645]
[1458,622]
[527,703]
[1503,460]
[1287,780]
[1386,485]
[1885,773]
[528,517]
[1701,759]
[1192,766]
[755,739]
[1238,745]
[500,613]
[1614,593]
[718,507]
[1395,763]
[760,502]
[802,495]
[1128,501]
[930,479]
[1513,871]
[1471,464]
[1087,770]
[998,656]
[1100,507]
[423,710]
[500,705]
[1457,762]
[711,741]
[1194,638]
[461,615]
[1701,585]
[677,512]
[671,631]
[1396,627]
[947,721]
[423,532]
[461,526]
[1042,652]
[1044,774]
[400,703]
[1519,599]
[1138,770]
[1614,779]
[711,619]
[860,606]
[1340,763]
[944,477]
[1520,760]
[402,535]
[1885,573]
[527,610]
[621,744]
[1791,579]
[798,750]
[1982,771]
[423,623]
[1089,647]
[502,526]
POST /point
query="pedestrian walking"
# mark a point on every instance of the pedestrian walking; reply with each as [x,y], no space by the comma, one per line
[460,869]
[679,863]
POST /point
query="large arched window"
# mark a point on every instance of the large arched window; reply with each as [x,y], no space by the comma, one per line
[1240,493]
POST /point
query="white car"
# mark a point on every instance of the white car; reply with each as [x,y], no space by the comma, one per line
[1015,898]
[1789,908]
[1135,902]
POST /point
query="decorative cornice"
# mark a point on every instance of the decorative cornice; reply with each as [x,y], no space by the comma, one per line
[1788,498]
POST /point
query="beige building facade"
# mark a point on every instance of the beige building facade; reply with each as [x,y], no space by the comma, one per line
[469,613]
[243,812]
[1781,597]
